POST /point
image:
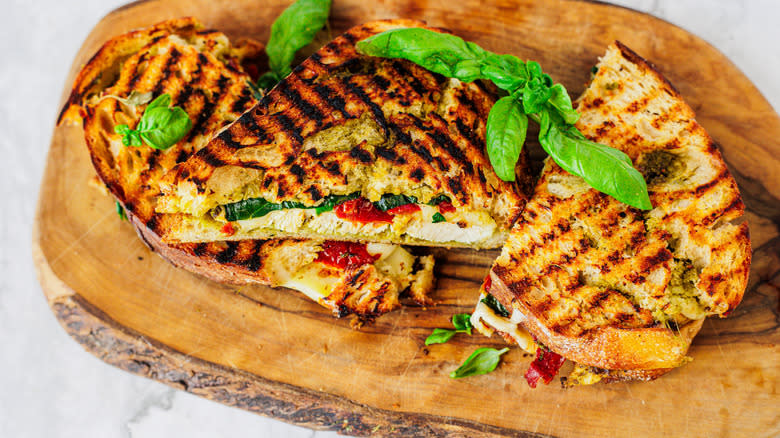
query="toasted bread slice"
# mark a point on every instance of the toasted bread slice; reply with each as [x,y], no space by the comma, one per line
[345,124]
[203,74]
[612,287]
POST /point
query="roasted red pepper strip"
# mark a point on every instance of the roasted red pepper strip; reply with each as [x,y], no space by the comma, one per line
[345,254]
[545,367]
[404,209]
[446,207]
[361,210]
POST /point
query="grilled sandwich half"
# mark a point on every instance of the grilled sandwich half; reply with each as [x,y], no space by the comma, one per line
[619,291]
[203,74]
[354,148]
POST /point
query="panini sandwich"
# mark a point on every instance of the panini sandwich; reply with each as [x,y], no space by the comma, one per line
[204,74]
[619,291]
[350,147]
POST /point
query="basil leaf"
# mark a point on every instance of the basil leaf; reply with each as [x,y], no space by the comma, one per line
[390,201]
[436,200]
[160,127]
[606,169]
[481,361]
[293,29]
[462,322]
[561,101]
[441,53]
[267,81]
[120,211]
[438,217]
[506,130]
[495,305]
[439,336]
[536,95]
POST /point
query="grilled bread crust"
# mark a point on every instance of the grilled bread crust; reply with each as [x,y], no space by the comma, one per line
[610,286]
[420,134]
[203,74]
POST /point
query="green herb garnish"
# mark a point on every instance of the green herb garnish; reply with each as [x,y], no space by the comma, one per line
[436,200]
[293,29]
[120,211]
[481,361]
[390,201]
[438,217]
[462,324]
[495,306]
[160,127]
[531,94]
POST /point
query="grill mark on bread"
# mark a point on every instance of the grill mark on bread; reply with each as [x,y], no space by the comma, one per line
[228,253]
[289,127]
[309,110]
[200,125]
[376,110]
[173,57]
[328,95]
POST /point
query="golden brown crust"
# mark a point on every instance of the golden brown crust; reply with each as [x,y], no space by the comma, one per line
[203,74]
[420,134]
[604,284]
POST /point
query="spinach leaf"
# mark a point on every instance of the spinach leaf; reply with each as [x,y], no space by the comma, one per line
[531,94]
[256,207]
[606,169]
[160,127]
[293,29]
[259,207]
[438,217]
[495,305]
[331,201]
[436,200]
[506,129]
[389,201]
[481,361]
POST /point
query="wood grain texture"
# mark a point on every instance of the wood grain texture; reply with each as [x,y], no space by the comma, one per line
[276,353]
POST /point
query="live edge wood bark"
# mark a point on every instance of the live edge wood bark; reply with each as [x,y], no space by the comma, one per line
[275,353]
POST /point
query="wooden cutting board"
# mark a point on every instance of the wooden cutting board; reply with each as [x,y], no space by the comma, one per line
[276,353]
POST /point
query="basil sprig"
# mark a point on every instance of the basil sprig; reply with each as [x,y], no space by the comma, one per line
[160,127]
[531,94]
[481,361]
[495,305]
[462,324]
[293,29]
[438,217]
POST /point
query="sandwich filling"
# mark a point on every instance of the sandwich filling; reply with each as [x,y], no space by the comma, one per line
[364,279]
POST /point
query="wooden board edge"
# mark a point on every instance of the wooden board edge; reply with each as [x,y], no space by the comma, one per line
[130,351]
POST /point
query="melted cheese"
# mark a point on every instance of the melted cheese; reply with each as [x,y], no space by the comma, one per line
[316,279]
[486,321]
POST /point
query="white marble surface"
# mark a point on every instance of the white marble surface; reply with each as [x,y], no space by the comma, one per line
[49,387]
